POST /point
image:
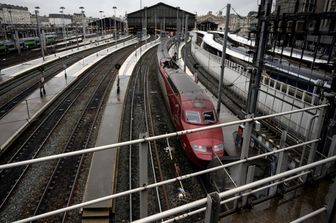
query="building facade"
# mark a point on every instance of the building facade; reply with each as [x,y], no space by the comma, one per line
[210,22]
[306,24]
[15,15]
[78,18]
[58,20]
[161,16]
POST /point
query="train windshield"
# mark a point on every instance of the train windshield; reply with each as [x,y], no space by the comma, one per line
[193,117]
[209,117]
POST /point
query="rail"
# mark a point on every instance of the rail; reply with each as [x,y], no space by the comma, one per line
[146,139]
[193,204]
[234,191]
[170,180]
[310,215]
[235,197]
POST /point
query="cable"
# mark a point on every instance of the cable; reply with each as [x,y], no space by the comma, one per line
[220,10]
[241,17]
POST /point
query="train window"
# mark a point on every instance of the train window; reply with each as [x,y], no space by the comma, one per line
[193,117]
[209,117]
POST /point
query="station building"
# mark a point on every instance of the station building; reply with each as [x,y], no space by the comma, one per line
[161,16]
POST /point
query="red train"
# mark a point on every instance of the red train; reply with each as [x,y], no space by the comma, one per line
[190,108]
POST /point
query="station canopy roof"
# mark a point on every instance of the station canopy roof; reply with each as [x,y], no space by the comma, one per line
[155,6]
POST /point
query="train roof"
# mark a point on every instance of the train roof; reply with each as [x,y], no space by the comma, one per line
[185,86]
[180,81]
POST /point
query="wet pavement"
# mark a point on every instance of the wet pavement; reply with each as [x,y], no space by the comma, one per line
[15,121]
[295,204]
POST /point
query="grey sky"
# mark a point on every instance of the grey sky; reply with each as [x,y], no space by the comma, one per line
[93,6]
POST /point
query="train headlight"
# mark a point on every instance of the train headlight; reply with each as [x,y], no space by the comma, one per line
[199,148]
[218,148]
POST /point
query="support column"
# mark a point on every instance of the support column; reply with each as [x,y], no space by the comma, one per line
[332,152]
[212,208]
[186,36]
[17,41]
[331,205]
[255,85]
[249,179]
[143,175]
[227,18]
[282,162]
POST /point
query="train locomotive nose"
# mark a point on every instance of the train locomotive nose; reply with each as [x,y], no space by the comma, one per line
[206,149]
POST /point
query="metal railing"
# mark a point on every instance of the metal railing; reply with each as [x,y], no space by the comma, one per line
[151,138]
[303,170]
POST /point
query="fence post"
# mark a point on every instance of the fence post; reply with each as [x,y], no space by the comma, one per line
[249,179]
[143,175]
[318,129]
[212,208]
[331,205]
[282,161]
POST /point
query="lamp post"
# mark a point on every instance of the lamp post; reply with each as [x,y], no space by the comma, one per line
[38,31]
[110,25]
[83,21]
[146,24]
[16,35]
[115,22]
[177,17]
[63,27]
[195,20]
[177,32]
[126,24]
[101,21]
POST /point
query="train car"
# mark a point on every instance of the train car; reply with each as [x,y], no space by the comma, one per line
[29,42]
[190,108]
[294,75]
[2,47]
[51,39]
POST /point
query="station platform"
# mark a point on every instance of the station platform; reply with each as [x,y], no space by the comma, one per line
[103,163]
[18,69]
[86,41]
[18,119]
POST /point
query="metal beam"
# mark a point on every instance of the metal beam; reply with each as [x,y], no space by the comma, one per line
[143,175]
[168,135]
[191,205]
[220,87]
[212,208]
[231,192]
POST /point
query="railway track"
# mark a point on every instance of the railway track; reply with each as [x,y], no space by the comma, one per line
[140,110]
[88,94]
[145,111]
[15,90]
[53,196]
